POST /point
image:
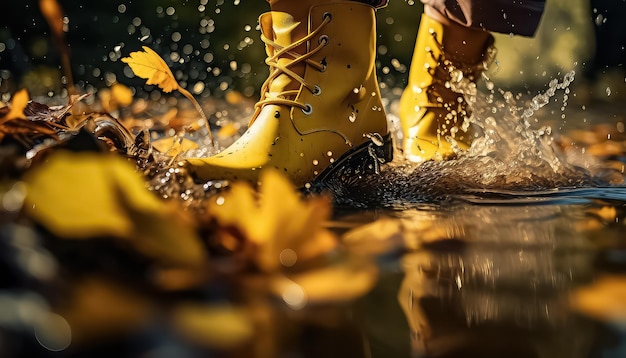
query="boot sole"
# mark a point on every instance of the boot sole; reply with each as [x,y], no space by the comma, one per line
[364,159]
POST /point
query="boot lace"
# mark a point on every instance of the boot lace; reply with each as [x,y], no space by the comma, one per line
[277,69]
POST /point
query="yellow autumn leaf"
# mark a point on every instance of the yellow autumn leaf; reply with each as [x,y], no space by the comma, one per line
[340,282]
[605,299]
[283,227]
[53,14]
[86,195]
[122,95]
[228,130]
[97,307]
[217,326]
[18,104]
[234,97]
[148,65]
[172,146]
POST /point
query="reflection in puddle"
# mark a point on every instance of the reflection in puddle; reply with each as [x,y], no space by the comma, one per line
[486,281]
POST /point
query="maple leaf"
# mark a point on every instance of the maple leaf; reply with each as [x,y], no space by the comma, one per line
[148,65]
[283,228]
[285,237]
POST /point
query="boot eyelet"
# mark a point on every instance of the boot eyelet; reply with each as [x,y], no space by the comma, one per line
[323,39]
[327,15]
[308,109]
[317,90]
[324,65]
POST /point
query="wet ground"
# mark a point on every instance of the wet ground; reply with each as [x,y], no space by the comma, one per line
[516,249]
[466,264]
[507,271]
[498,277]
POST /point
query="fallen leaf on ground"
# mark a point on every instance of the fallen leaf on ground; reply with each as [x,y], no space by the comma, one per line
[284,228]
[16,108]
[86,195]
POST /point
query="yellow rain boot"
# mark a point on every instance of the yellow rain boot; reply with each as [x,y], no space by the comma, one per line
[432,115]
[320,104]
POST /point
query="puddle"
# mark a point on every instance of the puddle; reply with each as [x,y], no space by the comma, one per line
[515,248]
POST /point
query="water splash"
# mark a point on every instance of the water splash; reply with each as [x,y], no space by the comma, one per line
[518,151]
[507,153]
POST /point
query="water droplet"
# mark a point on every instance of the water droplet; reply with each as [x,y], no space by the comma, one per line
[53,332]
[220,200]
[13,199]
[294,296]
[315,162]
[599,20]
[376,138]
[288,257]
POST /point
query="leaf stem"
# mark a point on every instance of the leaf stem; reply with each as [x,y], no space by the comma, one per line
[199,109]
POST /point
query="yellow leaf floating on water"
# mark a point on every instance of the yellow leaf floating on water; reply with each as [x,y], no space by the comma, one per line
[605,299]
[386,234]
[217,326]
[340,282]
[284,228]
[86,195]
[97,307]
[148,65]
[286,238]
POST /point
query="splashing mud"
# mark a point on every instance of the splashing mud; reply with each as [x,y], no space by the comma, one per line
[507,154]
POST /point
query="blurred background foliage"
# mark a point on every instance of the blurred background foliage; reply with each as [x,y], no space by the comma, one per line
[213,46]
